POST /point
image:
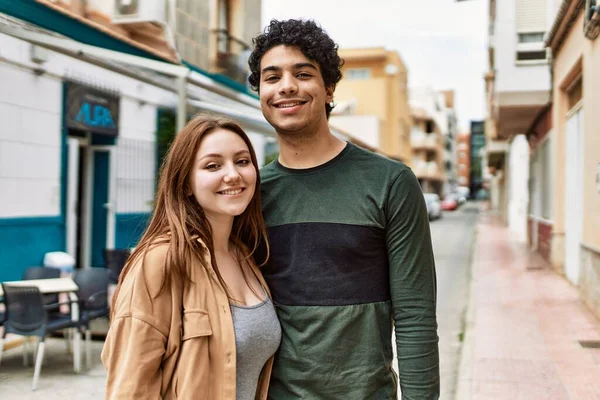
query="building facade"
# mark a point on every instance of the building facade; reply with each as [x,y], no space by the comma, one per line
[439,105]
[575,150]
[518,86]
[89,107]
[372,100]
[427,151]
[476,149]
[463,159]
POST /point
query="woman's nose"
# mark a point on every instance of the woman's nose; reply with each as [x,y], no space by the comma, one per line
[232,174]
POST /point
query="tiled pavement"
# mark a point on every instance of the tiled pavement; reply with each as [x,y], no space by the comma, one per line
[57,379]
[524,326]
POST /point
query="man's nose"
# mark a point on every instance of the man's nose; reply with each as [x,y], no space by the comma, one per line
[288,84]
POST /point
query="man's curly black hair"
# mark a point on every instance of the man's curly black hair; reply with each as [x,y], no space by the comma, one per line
[310,38]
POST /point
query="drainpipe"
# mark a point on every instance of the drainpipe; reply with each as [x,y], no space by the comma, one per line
[181,101]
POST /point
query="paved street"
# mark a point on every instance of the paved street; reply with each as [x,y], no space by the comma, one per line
[453,237]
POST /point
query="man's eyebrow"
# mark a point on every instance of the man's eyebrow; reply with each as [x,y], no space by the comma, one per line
[275,68]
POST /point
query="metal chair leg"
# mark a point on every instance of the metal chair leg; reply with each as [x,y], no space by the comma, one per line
[67,337]
[35,349]
[77,351]
[25,351]
[1,348]
[88,348]
[38,364]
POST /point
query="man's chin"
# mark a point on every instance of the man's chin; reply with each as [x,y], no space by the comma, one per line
[289,128]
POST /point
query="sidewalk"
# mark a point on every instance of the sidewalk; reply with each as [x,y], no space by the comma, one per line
[523,327]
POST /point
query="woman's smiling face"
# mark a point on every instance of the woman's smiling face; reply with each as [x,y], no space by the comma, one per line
[223,178]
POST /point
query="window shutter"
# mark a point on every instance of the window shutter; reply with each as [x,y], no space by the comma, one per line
[531,15]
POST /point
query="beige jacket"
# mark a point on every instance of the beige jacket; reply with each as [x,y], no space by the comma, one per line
[179,345]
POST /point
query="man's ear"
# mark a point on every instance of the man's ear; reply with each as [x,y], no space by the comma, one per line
[329,91]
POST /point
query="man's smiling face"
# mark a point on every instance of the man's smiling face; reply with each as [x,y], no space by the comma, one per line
[292,91]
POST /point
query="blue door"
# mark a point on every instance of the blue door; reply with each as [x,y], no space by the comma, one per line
[100,186]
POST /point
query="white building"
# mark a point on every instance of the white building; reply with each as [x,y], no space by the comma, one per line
[518,87]
[78,143]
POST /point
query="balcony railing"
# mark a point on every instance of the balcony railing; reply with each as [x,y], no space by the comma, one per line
[426,170]
[420,140]
[232,56]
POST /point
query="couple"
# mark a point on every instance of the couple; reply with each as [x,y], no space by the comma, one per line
[350,257]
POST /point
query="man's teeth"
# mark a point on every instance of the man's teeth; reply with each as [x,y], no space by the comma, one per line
[288,105]
[231,192]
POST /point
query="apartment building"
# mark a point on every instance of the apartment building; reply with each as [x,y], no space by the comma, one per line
[463,159]
[427,151]
[518,85]
[372,101]
[440,106]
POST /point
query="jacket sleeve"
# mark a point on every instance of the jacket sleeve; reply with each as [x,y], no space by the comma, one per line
[137,338]
[132,356]
[413,288]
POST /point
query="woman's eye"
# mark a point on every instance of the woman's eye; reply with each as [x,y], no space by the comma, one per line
[243,162]
[211,166]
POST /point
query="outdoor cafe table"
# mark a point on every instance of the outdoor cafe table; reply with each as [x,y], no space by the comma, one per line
[57,285]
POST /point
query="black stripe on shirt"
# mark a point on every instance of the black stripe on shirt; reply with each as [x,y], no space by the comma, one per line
[327,264]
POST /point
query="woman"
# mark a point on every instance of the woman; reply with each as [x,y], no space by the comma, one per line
[192,317]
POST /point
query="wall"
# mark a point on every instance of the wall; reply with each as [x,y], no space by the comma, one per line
[510,76]
[519,175]
[591,145]
[32,159]
[30,169]
[369,94]
[362,127]
[566,66]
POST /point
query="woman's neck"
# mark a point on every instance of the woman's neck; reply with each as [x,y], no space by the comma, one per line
[221,233]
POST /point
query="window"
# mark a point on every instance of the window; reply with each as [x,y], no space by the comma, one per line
[533,37]
[357,73]
[531,55]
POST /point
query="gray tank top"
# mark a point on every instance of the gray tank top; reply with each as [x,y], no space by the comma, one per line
[257,337]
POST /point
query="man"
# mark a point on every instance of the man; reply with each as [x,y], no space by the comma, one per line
[350,243]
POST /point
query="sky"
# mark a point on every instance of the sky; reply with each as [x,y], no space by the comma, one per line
[442,42]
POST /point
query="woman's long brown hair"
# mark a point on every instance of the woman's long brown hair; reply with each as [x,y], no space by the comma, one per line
[179,220]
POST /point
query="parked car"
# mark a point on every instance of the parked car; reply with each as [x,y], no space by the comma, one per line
[463,192]
[450,203]
[434,208]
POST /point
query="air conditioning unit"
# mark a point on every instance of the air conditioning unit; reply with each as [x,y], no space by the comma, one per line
[136,11]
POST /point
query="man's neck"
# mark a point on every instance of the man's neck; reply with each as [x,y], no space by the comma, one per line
[301,152]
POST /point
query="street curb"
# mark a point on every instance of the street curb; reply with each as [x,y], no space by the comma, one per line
[465,369]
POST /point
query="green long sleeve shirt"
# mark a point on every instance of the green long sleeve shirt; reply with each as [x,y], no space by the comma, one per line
[351,258]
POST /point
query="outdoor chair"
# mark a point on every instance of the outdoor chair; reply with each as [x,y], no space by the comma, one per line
[93,300]
[26,315]
[115,260]
[43,273]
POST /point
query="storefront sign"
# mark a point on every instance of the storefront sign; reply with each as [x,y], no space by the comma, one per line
[90,109]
